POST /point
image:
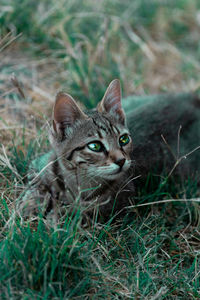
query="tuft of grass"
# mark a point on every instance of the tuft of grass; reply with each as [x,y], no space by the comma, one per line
[45,262]
[143,255]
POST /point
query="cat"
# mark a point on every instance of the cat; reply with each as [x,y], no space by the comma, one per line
[95,155]
[90,157]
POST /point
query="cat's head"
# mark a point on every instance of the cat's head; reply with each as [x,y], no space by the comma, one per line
[96,142]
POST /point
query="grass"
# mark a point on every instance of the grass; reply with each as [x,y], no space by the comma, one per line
[152,46]
[143,255]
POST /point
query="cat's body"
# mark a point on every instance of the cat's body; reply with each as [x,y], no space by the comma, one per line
[166,134]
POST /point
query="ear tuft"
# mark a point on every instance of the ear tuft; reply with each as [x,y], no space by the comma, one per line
[65,113]
[111,102]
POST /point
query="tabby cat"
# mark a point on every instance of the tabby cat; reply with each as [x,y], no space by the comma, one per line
[90,157]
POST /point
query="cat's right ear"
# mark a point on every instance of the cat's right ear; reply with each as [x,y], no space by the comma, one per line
[111,102]
[65,113]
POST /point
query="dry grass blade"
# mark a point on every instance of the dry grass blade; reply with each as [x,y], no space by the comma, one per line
[197,200]
[181,158]
[10,41]
[137,40]
[162,291]
[16,83]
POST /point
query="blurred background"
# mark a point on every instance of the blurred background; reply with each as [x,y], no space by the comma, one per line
[78,46]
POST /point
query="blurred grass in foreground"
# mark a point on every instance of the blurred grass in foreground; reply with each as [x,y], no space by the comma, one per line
[79,47]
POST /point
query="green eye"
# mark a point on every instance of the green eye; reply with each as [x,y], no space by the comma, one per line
[124,140]
[95,146]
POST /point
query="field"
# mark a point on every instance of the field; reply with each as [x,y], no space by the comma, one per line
[78,46]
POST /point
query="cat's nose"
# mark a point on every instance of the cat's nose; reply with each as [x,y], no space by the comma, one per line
[120,162]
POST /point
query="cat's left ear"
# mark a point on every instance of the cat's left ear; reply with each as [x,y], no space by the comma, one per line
[65,113]
[111,102]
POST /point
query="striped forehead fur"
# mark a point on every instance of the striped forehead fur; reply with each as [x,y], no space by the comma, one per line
[104,122]
[97,123]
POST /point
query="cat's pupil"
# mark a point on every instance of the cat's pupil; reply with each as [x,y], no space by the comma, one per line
[124,140]
[95,146]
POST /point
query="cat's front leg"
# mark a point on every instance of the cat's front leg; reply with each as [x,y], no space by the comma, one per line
[34,202]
